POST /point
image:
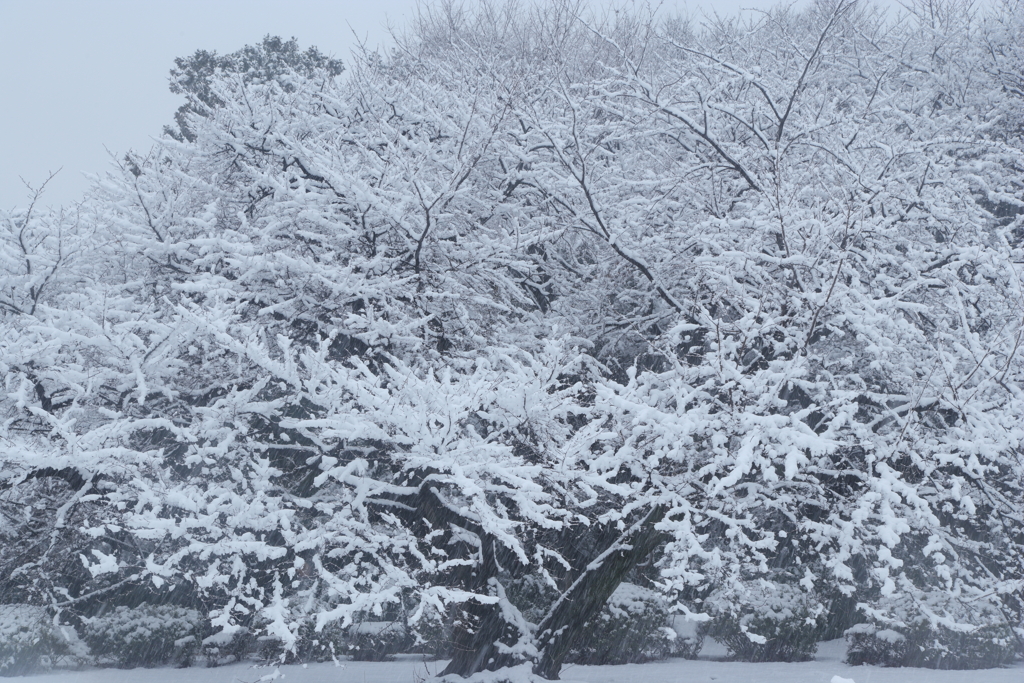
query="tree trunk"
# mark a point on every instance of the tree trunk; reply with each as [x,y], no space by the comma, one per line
[564,623]
[481,625]
[474,641]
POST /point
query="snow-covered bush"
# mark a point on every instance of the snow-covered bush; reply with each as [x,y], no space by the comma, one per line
[869,644]
[431,634]
[766,622]
[148,635]
[633,627]
[235,645]
[29,640]
[932,630]
[325,645]
[932,647]
[366,640]
[375,641]
[688,639]
[309,645]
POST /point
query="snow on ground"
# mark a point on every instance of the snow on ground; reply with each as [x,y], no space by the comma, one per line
[826,667]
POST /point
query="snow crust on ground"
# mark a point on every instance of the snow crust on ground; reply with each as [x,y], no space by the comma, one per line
[826,668]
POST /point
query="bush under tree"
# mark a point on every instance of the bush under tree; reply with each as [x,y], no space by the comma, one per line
[933,630]
[147,636]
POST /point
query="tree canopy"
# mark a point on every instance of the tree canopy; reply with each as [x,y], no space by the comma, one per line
[538,294]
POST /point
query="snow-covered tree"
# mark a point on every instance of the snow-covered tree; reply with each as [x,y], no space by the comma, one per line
[271,59]
[543,295]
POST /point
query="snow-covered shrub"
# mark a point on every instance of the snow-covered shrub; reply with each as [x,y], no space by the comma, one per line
[310,645]
[375,641]
[765,622]
[431,634]
[931,647]
[634,626]
[325,645]
[30,641]
[364,640]
[688,639]
[868,644]
[148,635]
[227,647]
[371,641]
[932,631]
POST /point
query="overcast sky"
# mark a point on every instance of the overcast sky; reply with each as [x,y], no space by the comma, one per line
[81,77]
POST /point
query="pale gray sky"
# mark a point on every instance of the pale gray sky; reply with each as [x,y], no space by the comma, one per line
[80,77]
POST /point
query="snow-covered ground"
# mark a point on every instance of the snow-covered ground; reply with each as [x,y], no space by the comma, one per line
[827,668]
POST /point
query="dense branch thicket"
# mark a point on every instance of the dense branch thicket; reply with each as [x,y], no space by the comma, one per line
[731,310]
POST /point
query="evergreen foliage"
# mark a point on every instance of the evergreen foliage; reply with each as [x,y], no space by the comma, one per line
[149,635]
[934,630]
[772,622]
[30,642]
[633,627]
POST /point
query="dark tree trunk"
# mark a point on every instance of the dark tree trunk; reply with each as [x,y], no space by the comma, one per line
[474,641]
[564,623]
[480,626]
